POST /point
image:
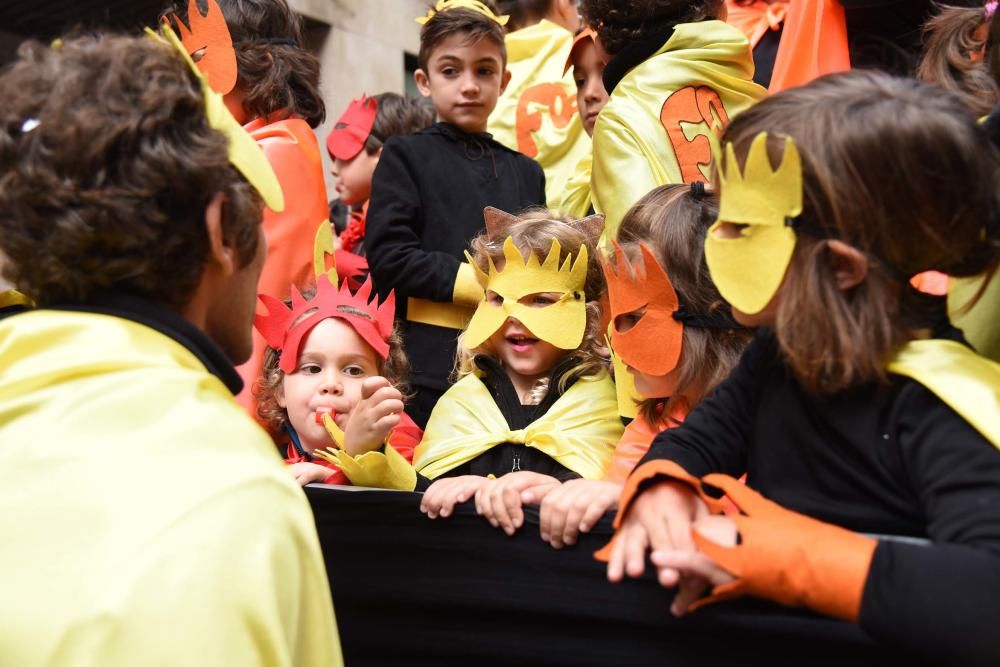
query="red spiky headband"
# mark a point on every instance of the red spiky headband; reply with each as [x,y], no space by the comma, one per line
[352,129]
[285,328]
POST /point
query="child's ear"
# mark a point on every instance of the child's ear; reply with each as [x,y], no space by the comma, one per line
[504,80]
[591,226]
[220,253]
[850,266]
[279,396]
[423,82]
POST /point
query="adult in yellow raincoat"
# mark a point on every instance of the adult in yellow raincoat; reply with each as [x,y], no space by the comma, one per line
[146,519]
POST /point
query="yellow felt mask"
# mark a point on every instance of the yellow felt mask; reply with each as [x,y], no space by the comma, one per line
[243,152]
[748,269]
[561,324]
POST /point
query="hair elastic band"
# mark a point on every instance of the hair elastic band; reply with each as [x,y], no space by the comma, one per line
[277,41]
[991,9]
[698,190]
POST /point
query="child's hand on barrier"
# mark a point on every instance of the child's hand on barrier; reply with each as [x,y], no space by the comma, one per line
[574,508]
[307,473]
[499,500]
[374,417]
[442,496]
[658,519]
[697,571]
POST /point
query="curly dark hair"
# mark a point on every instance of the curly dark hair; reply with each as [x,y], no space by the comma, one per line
[107,163]
[472,24]
[397,114]
[523,13]
[395,369]
[618,23]
[274,76]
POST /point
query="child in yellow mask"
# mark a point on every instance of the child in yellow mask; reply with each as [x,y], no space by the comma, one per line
[858,411]
[533,394]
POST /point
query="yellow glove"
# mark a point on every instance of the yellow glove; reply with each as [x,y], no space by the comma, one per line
[372,469]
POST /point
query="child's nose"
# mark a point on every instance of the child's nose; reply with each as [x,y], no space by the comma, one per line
[330,384]
[469,84]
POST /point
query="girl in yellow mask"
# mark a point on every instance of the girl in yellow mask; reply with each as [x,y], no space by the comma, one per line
[533,396]
[857,412]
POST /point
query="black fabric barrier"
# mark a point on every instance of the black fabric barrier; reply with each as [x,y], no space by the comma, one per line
[456,591]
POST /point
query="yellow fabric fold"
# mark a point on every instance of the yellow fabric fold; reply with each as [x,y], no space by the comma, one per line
[467,291]
[980,324]
[968,383]
[654,128]
[448,315]
[576,199]
[97,412]
[12,297]
[375,470]
[537,114]
[579,431]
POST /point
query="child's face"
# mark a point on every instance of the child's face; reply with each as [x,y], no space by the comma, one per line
[524,356]
[333,363]
[588,70]
[464,81]
[354,177]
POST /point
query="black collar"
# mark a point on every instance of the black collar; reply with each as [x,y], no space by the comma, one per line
[167,322]
[503,392]
[634,54]
[456,133]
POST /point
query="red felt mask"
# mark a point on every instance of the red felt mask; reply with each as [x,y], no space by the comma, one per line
[285,328]
[352,128]
[653,344]
[209,34]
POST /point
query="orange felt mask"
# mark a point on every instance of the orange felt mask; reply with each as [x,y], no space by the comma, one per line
[653,344]
[210,34]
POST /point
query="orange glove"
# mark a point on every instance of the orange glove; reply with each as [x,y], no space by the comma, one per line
[788,557]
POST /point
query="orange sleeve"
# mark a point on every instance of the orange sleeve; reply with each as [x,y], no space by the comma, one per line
[292,150]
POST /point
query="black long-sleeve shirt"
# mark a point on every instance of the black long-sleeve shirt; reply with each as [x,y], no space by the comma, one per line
[428,195]
[885,459]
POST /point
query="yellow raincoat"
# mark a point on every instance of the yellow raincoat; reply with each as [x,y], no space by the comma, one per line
[146,520]
[537,114]
[653,130]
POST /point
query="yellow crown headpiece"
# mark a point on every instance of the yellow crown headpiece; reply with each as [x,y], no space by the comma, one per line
[561,323]
[474,5]
[748,268]
[759,195]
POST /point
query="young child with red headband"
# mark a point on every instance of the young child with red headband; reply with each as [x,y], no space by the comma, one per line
[355,144]
[334,376]
[867,427]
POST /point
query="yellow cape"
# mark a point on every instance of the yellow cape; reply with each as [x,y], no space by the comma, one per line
[537,114]
[579,430]
[968,383]
[653,130]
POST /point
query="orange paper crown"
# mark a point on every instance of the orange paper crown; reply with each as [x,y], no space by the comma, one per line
[653,345]
[209,33]
[285,328]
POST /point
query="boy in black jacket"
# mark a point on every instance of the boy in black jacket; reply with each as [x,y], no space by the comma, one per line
[430,188]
